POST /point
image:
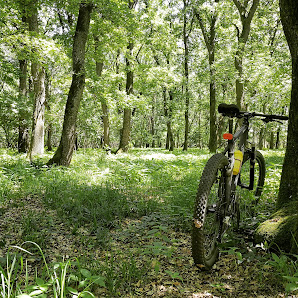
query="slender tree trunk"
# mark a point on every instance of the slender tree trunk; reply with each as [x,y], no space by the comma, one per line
[186,77]
[104,106]
[105,111]
[126,128]
[38,78]
[64,152]
[246,18]
[49,137]
[210,44]
[153,124]
[170,131]
[23,139]
[277,139]
[282,228]
[271,145]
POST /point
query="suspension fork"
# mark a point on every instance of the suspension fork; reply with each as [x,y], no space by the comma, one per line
[252,157]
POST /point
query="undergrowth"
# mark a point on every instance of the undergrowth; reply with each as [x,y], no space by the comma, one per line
[130,206]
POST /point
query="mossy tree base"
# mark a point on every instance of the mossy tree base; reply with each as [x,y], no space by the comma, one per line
[281,230]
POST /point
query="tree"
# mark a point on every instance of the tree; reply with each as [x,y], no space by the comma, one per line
[38,78]
[282,228]
[246,13]
[64,152]
[186,33]
[210,44]
[105,111]
[126,128]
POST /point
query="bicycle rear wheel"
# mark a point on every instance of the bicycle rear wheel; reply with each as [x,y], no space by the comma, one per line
[207,224]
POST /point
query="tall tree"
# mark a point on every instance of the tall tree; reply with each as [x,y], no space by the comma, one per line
[23,129]
[246,11]
[38,78]
[64,152]
[104,106]
[126,127]
[186,33]
[209,39]
[282,229]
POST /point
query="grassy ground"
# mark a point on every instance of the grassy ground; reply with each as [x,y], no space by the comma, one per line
[119,226]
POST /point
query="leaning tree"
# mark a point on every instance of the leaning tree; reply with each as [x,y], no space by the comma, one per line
[282,228]
[63,154]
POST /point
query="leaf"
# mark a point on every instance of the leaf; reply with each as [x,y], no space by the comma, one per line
[72,290]
[87,294]
[291,279]
[291,287]
[86,273]
[40,282]
[173,275]
[99,280]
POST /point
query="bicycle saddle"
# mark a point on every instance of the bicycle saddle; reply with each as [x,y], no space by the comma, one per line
[228,110]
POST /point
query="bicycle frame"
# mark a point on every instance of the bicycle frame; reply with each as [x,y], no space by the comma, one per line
[233,180]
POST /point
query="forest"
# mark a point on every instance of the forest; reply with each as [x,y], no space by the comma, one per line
[108,115]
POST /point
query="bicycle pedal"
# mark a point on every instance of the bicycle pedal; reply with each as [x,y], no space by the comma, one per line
[211,208]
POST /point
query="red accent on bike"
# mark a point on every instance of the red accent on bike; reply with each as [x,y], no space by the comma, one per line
[228,136]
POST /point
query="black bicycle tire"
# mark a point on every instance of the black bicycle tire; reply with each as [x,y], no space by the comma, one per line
[200,256]
[260,160]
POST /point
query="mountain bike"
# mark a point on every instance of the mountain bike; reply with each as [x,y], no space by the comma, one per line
[217,201]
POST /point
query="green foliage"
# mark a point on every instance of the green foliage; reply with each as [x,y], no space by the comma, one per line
[287,268]
[57,280]
[129,215]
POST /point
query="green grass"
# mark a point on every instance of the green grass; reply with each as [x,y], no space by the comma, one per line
[131,213]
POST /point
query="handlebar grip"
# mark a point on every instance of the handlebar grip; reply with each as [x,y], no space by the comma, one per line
[228,110]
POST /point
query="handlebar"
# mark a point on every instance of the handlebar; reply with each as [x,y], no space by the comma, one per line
[232,110]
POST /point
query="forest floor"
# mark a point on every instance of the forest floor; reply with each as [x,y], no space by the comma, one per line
[146,255]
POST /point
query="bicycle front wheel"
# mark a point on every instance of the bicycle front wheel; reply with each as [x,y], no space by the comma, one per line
[207,223]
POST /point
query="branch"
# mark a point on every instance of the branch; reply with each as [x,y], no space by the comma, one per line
[239,6]
[203,29]
[252,10]
[238,31]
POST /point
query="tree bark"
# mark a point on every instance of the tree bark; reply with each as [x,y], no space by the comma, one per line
[126,127]
[210,44]
[282,228]
[104,106]
[186,76]
[246,18]
[23,139]
[38,78]
[64,152]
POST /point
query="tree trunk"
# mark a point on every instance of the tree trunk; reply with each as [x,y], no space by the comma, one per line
[277,139]
[126,128]
[38,78]
[64,152]
[282,228]
[271,145]
[105,111]
[246,18]
[104,106]
[49,138]
[186,77]
[210,44]
[23,139]
[153,124]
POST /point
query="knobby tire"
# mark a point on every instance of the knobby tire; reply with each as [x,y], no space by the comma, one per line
[207,221]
